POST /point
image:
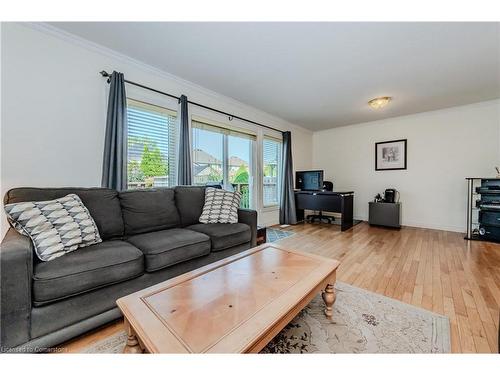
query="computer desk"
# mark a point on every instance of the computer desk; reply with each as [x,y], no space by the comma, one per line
[327,201]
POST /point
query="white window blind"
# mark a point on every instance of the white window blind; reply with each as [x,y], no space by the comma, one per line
[271,171]
[152,144]
[222,130]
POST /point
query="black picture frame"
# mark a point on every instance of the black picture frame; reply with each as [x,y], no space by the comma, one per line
[404,142]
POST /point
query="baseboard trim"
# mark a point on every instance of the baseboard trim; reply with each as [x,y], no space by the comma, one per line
[448,228]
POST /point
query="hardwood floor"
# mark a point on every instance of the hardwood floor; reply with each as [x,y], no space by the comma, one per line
[432,269]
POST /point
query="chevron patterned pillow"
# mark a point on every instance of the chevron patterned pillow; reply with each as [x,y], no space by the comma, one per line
[221,206]
[55,227]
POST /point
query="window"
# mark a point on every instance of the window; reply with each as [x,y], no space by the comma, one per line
[223,157]
[152,135]
[271,171]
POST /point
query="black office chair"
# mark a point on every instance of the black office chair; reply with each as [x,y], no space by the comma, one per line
[327,186]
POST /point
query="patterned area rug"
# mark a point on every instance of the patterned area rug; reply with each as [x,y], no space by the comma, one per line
[363,322]
[273,235]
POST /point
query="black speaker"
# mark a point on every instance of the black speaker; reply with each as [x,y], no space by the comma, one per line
[327,186]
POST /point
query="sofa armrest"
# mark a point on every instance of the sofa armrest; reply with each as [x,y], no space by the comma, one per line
[16,270]
[249,217]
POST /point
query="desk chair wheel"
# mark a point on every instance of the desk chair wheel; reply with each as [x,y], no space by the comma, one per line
[321,218]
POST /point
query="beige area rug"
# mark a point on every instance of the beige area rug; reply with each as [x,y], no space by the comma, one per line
[364,322]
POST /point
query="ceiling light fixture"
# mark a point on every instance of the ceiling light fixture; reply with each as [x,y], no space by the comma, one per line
[380,102]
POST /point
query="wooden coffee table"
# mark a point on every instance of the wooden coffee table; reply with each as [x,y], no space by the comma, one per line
[235,305]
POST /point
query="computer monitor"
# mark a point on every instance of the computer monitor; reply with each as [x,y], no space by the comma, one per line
[309,180]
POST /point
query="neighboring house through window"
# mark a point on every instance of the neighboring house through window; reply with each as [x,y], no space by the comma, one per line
[223,157]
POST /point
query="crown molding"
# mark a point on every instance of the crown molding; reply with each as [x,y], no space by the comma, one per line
[100,49]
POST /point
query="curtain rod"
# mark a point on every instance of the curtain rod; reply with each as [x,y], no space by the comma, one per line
[231,116]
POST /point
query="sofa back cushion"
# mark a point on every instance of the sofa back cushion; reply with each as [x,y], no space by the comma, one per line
[102,203]
[148,210]
[190,201]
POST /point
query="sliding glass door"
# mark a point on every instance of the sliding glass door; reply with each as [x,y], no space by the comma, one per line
[224,157]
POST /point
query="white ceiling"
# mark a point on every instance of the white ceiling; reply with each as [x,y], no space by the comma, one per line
[319,75]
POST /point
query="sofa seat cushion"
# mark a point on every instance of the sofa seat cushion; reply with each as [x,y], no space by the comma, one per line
[165,248]
[224,236]
[89,268]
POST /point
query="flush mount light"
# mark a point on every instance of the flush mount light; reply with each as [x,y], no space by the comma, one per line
[380,102]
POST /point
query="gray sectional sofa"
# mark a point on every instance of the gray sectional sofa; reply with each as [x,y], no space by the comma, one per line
[148,236]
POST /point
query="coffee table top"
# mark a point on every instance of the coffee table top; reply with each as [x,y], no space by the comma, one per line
[227,305]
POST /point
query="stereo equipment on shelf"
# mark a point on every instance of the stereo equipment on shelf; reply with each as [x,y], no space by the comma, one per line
[488,189]
[489,218]
[489,206]
[489,233]
[483,209]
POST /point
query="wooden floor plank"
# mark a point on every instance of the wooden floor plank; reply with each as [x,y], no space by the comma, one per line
[466,340]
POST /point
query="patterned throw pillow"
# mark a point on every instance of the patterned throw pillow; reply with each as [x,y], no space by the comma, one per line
[55,227]
[221,206]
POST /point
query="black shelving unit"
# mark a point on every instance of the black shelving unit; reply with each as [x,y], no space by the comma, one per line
[483,209]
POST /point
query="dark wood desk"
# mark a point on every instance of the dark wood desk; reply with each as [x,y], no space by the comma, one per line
[328,201]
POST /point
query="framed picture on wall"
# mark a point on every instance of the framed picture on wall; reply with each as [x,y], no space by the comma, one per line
[390,155]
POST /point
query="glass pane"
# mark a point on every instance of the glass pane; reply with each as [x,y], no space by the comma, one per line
[151,147]
[239,171]
[207,157]
[271,170]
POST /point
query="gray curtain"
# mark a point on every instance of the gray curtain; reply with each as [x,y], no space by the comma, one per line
[288,214]
[184,167]
[114,168]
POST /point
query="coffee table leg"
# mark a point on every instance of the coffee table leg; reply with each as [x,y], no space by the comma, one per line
[329,298]
[132,346]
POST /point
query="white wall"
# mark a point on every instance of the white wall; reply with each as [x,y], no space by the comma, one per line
[444,147]
[54,108]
